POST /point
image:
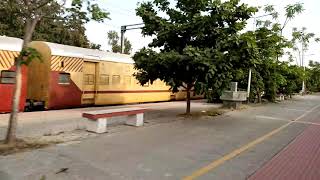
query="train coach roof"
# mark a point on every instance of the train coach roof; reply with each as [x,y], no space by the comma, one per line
[15,44]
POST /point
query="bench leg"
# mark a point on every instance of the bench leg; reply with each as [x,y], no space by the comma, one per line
[97,126]
[135,120]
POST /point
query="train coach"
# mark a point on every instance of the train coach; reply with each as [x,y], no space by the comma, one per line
[68,77]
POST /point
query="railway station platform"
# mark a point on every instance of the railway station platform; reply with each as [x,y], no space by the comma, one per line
[39,123]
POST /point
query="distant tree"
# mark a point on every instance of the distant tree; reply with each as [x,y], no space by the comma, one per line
[293,77]
[196,38]
[127,46]
[30,12]
[300,41]
[313,76]
[291,11]
[268,75]
[114,42]
[95,46]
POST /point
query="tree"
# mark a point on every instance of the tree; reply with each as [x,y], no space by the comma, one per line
[195,39]
[95,46]
[293,76]
[313,76]
[63,25]
[113,41]
[127,46]
[30,13]
[267,76]
[188,70]
[300,41]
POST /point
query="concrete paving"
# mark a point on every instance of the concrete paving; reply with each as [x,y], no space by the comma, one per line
[34,124]
[172,150]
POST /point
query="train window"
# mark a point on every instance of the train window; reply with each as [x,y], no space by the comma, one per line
[8,77]
[64,78]
[127,80]
[104,79]
[116,79]
[88,79]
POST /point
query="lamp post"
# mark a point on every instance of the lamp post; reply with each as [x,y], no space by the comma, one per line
[250,70]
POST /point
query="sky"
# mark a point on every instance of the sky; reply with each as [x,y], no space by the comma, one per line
[122,12]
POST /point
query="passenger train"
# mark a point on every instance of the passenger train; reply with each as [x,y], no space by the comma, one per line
[68,77]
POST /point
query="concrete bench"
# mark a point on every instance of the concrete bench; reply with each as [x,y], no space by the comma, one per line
[97,120]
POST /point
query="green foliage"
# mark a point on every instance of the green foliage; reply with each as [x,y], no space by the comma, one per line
[300,42]
[201,46]
[95,46]
[293,77]
[127,46]
[28,55]
[269,75]
[191,68]
[200,23]
[114,42]
[197,41]
[59,24]
[313,76]
[292,10]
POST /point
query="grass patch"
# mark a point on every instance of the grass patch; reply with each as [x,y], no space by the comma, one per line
[22,146]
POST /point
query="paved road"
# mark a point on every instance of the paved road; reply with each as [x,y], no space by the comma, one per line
[229,147]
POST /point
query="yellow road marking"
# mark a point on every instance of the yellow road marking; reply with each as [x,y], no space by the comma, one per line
[236,152]
[233,154]
[307,112]
[309,123]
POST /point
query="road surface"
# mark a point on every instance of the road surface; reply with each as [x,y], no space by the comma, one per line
[236,145]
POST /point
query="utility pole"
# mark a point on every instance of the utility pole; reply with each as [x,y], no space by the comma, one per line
[304,68]
[249,83]
[250,70]
[125,28]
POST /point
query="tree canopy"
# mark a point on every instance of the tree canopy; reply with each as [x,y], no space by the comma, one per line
[195,39]
[114,42]
[60,25]
[27,15]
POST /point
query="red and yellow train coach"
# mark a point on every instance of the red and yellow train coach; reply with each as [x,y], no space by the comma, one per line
[71,76]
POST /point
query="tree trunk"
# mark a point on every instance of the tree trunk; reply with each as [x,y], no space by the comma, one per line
[12,128]
[188,110]
[259,96]
[13,121]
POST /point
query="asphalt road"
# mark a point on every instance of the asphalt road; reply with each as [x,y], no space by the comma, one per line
[228,147]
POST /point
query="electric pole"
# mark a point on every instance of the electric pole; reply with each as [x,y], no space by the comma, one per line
[125,28]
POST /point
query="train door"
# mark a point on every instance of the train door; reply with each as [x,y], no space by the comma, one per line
[89,82]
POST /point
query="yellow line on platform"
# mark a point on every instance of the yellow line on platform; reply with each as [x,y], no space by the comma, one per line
[236,152]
